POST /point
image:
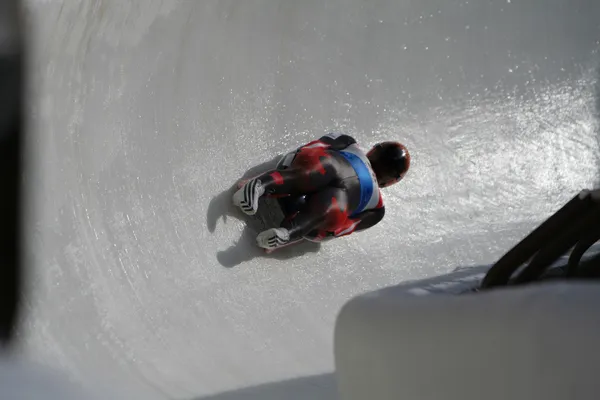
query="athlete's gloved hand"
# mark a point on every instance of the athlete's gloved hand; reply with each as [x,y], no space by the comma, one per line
[273,238]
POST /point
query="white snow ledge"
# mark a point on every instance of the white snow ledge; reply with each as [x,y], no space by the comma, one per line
[536,342]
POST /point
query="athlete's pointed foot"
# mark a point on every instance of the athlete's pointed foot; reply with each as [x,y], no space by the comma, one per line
[246,198]
[273,238]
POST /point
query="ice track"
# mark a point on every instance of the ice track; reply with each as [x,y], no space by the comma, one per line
[143,113]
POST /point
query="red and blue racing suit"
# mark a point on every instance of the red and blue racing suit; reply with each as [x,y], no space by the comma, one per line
[332,180]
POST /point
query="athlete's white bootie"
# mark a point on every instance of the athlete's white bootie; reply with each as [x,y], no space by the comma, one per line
[246,198]
[273,238]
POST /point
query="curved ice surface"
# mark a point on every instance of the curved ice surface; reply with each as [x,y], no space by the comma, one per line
[144,112]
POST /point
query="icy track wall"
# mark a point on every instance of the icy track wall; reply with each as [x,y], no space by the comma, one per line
[144,113]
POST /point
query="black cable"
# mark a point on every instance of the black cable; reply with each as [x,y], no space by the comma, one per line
[589,268]
[580,249]
[501,272]
[569,237]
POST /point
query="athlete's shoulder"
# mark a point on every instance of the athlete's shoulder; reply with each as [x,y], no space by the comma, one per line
[371,217]
[337,141]
[379,209]
[380,203]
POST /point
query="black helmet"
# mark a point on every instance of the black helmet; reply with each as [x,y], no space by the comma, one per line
[390,162]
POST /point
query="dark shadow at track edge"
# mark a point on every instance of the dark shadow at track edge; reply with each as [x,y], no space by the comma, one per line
[316,387]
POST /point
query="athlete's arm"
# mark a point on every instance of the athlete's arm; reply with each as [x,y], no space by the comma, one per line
[337,141]
[361,222]
[369,218]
